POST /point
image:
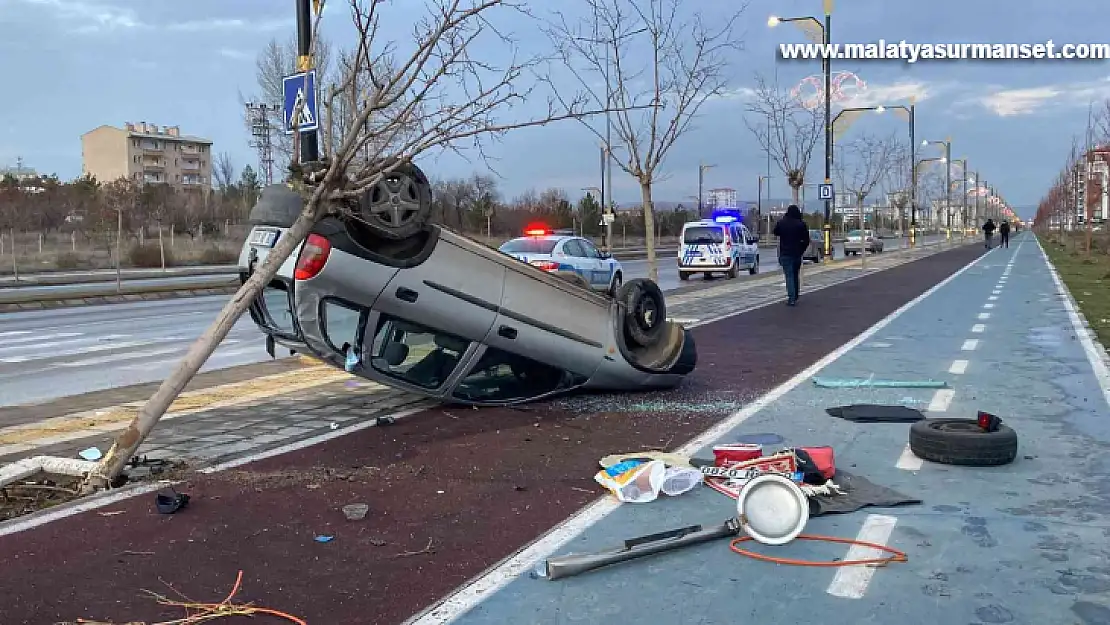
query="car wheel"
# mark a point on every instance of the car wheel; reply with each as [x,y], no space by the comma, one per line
[616,284]
[754,269]
[684,275]
[645,311]
[399,205]
[277,205]
[733,271]
[962,442]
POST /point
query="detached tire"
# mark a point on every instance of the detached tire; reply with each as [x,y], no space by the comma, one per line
[962,442]
[645,311]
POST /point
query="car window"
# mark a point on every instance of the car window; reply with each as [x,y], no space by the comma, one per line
[340,323]
[695,235]
[529,246]
[415,354]
[278,307]
[502,376]
[589,248]
[573,248]
[853,233]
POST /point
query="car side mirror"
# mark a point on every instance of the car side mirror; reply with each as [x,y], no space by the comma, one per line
[604,255]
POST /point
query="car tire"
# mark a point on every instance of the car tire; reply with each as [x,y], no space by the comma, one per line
[684,275]
[277,205]
[962,442]
[754,269]
[615,285]
[733,271]
[644,311]
[399,205]
[573,278]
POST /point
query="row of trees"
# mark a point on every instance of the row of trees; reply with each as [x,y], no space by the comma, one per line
[1076,202]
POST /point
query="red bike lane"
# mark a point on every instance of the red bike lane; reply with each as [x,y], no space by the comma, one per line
[451,490]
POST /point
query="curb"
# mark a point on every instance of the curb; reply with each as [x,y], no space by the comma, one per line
[74,302]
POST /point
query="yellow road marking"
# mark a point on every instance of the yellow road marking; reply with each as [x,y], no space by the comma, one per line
[81,424]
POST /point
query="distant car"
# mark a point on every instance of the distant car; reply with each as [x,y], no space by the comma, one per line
[859,240]
[816,250]
[722,244]
[429,311]
[571,254]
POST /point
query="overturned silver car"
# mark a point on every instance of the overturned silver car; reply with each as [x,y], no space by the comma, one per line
[421,308]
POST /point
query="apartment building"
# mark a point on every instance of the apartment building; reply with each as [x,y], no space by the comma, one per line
[148,153]
[721,198]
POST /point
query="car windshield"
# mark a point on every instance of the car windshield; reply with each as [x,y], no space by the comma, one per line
[703,234]
[529,246]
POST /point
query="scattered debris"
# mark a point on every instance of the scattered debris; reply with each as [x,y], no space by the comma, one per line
[324,539]
[356,511]
[871,382]
[111,512]
[92,454]
[426,550]
[172,502]
[197,613]
[876,413]
[981,442]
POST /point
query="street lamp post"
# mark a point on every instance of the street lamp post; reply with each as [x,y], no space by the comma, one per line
[759,201]
[826,61]
[947,143]
[310,149]
[702,168]
[939,159]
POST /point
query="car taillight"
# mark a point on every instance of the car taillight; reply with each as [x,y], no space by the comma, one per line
[313,256]
[545,265]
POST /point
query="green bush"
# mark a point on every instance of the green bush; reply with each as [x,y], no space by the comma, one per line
[67,260]
[147,256]
[218,256]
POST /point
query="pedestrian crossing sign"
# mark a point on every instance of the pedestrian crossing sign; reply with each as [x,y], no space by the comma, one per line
[299,91]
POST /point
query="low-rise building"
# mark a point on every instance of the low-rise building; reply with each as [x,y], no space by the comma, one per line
[149,154]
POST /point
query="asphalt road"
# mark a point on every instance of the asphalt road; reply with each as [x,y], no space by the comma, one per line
[58,353]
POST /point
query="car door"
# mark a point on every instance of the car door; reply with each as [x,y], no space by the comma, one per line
[602,268]
[747,248]
[576,256]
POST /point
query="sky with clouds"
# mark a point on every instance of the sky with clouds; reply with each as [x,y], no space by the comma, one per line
[76,64]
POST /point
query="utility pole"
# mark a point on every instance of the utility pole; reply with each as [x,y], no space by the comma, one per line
[827,226]
[262,134]
[702,168]
[310,149]
[913,177]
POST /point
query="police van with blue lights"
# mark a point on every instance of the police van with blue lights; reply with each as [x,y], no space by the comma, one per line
[568,256]
[720,244]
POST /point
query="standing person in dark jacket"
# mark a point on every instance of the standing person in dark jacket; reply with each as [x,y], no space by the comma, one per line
[988,232]
[793,234]
[1004,231]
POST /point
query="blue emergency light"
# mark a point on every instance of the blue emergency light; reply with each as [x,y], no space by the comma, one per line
[726,216]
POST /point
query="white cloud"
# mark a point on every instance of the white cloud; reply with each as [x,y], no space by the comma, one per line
[90,16]
[232,24]
[237,55]
[895,93]
[1027,101]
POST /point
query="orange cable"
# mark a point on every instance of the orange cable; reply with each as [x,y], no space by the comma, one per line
[897,556]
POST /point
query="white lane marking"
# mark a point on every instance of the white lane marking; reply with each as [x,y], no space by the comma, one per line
[41,337]
[970,345]
[992,298]
[978,328]
[988,306]
[1096,356]
[851,582]
[984,316]
[941,400]
[524,560]
[959,367]
[88,362]
[908,461]
[15,333]
[996,292]
[69,343]
[86,350]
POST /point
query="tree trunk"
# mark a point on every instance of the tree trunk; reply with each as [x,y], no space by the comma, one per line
[128,441]
[649,231]
[795,194]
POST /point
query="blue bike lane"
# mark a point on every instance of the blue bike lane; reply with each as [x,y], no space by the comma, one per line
[1025,542]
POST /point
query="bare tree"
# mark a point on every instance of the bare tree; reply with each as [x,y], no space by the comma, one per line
[897,181]
[861,164]
[786,130]
[659,88]
[447,96]
[223,171]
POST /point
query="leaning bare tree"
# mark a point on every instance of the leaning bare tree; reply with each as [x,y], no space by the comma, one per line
[656,68]
[786,129]
[438,95]
[861,164]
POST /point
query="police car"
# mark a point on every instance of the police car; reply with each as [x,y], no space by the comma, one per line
[720,244]
[567,255]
